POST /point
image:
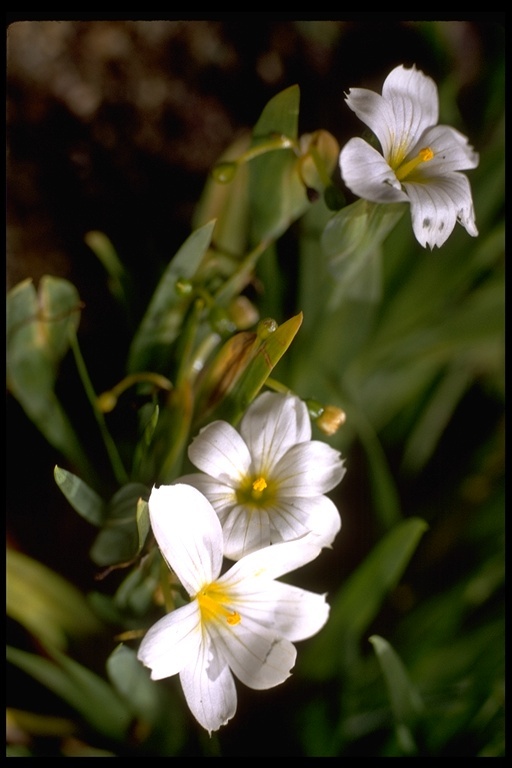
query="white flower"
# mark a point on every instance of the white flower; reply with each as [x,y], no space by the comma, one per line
[242,623]
[420,160]
[267,482]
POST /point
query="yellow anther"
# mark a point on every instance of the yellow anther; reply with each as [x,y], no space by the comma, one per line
[259,485]
[234,618]
[423,156]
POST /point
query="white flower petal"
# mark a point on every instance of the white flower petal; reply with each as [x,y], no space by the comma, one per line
[270,563]
[170,643]
[436,206]
[415,103]
[308,469]
[245,529]
[317,516]
[297,614]
[259,658]
[272,423]
[452,152]
[222,497]
[367,174]
[209,688]
[219,451]
[376,113]
[188,533]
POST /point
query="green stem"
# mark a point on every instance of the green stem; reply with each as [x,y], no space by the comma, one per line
[239,279]
[115,460]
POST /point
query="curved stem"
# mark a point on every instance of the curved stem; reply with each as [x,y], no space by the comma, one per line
[115,460]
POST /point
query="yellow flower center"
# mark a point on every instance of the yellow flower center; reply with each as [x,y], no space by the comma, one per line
[423,156]
[213,604]
[255,491]
[258,487]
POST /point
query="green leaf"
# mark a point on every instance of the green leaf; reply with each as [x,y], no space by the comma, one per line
[162,322]
[104,250]
[90,695]
[131,680]
[277,194]
[118,541]
[39,327]
[164,457]
[136,593]
[228,205]
[406,703]
[156,706]
[82,498]
[143,523]
[351,242]
[359,601]
[280,115]
[50,608]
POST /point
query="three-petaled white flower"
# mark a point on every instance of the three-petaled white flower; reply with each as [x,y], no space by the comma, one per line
[242,623]
[420,160]
[267,482]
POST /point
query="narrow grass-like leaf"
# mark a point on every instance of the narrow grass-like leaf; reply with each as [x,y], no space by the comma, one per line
[405,700]
[359,600]
[162,322]
[49,607]
[91,696]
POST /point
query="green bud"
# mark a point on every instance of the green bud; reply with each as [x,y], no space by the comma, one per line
[183,287]
[224,172]
[315,408]
[106,402]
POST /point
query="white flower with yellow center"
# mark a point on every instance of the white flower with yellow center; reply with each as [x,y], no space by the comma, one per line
[420,160]
[267,482]
[242,623]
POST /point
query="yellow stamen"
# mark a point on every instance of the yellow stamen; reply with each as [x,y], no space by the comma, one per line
[423,156]
[212,602]
[259,485]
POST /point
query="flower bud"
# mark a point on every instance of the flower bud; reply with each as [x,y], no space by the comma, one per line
[106,402]
[331,419]
[224,172]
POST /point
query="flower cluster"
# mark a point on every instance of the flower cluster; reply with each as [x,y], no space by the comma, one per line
[259,501]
